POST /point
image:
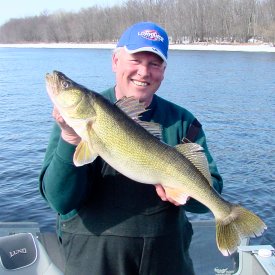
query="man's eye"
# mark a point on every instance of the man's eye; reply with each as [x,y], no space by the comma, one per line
[134,61]
[156,64]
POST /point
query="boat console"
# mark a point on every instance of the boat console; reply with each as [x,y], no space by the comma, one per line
[23,254]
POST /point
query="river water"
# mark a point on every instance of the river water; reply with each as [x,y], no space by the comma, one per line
[231,93]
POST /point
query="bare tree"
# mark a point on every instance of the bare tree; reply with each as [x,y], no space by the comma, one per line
[185,20]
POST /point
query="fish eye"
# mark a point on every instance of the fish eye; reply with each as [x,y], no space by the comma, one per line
[65,84]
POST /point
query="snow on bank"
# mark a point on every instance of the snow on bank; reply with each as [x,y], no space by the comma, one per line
[190,47]
[230,48]
[60,46]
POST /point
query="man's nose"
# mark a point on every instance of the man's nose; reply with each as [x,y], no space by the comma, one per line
[143,70]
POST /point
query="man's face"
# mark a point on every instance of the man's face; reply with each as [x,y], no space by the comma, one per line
[138,74]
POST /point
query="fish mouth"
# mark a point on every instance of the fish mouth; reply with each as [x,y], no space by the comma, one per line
[48,77]
[52,80]
[55,75]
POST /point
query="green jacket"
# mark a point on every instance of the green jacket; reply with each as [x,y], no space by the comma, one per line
[109,202]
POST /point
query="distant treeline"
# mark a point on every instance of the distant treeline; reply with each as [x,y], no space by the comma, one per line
[214,21]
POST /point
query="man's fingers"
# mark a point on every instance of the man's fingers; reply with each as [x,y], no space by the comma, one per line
[56,115]
[162,194]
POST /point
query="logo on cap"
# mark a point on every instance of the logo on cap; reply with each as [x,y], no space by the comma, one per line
[151,35]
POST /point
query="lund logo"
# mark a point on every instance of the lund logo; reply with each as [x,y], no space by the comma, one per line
[18,251]
[151,35]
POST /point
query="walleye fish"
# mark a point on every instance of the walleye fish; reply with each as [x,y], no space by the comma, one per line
[112,132]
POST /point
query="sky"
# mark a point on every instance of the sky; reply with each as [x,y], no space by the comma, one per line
[22,8]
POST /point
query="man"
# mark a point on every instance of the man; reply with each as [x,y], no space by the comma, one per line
[108,223]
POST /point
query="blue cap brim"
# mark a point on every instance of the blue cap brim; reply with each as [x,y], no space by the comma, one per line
[146,49]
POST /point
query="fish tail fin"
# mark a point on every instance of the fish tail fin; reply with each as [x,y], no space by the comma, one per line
[239,224]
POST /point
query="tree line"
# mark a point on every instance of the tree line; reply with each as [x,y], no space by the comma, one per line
[186,21]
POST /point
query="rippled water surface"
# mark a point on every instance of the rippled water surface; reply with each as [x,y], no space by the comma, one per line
[231,93]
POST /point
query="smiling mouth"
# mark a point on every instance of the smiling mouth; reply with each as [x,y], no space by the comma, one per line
[140,84]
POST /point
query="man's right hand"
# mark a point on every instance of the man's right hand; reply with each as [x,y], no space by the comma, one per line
[67,132]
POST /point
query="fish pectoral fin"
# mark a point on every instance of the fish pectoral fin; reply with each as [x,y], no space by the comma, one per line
[195,153]
[176,194]
[83,154]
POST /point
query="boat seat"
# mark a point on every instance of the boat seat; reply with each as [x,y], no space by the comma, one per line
[23,254]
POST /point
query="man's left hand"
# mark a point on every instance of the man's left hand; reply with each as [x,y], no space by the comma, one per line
[161,192]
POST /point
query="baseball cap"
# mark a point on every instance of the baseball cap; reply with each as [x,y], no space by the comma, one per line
[145,37]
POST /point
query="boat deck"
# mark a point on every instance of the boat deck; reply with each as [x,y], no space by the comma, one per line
[206,257]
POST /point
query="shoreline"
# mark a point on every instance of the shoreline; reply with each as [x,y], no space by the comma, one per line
[187,47]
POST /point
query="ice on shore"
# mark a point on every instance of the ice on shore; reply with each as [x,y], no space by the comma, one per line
[190,47]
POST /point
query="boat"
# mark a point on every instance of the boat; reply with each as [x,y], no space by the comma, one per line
[25,250]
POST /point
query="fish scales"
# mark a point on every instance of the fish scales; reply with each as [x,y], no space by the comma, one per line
[150,160]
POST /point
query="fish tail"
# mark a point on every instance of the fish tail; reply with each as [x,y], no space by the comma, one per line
[238,225]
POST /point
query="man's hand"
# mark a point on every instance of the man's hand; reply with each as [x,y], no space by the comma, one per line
[67,133]
[161,192]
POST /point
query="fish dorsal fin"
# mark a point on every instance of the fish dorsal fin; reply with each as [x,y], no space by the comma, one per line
[133,108]
[83,154]
[153,128]
[195,153]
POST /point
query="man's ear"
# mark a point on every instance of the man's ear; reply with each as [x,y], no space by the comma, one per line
[114,62]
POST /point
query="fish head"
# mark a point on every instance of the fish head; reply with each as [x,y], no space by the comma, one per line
[71,99]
